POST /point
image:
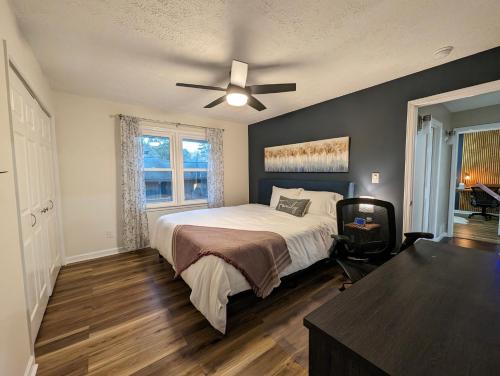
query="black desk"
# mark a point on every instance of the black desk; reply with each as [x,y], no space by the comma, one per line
[432,310]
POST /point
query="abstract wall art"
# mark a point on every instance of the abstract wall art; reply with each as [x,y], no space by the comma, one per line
[331,155]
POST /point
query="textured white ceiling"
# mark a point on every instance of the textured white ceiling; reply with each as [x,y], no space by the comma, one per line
[136,51]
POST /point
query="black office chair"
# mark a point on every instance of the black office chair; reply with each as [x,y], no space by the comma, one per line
[481,199]
[367,236]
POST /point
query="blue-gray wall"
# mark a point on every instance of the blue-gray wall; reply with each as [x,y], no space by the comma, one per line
[374,118]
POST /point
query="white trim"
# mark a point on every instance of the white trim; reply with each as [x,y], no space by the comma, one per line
[438,127]
[31,367]
[477,128]
[453,184]
[411,127]
[175,209]
[93,255]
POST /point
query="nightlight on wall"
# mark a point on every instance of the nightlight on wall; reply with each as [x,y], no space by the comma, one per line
[365,208]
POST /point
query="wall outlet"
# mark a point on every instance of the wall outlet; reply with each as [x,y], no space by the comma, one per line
[109,235]
[375,177]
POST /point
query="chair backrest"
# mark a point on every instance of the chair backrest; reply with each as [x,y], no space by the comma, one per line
[480,197]
[378,235]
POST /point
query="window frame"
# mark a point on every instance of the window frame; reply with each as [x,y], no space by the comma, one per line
[176,137]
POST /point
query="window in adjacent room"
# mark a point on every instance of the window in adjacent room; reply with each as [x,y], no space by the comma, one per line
[175,167]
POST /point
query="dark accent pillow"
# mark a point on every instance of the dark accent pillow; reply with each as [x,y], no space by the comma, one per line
[293,206]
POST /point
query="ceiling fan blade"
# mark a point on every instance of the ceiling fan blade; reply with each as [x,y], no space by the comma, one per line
[239,71]
[200,86]
[216,102]
[254,103]
[272,88]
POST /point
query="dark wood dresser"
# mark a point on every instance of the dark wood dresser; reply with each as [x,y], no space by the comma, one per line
[432,310]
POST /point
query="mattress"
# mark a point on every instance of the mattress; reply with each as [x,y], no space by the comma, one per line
[212,280]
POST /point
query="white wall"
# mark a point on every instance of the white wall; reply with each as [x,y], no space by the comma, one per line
[88,152]
[15,348]
[478,116]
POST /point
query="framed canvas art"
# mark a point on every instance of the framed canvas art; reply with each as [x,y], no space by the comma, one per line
[331,155]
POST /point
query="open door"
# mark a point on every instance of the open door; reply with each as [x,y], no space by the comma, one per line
[427,175]
[453,182]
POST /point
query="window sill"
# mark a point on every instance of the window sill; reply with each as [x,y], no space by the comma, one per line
[174,208]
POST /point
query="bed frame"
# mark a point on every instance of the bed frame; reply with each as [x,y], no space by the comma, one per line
[345,188]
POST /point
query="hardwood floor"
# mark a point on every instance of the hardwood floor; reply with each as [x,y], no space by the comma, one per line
[472,244]
[126,315]
[477,229]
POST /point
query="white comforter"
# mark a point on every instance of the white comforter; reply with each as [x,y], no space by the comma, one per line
[212,280]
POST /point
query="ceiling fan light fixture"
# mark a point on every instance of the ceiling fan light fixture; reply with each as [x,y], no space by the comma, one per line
[237,99]
[238,93]
[236,96]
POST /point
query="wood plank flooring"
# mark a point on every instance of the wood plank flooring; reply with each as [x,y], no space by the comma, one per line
[478,229]
[126,315]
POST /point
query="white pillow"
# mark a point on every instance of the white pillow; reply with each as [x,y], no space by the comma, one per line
[322,202]
[287,192]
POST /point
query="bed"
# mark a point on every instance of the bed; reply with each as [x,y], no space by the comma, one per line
[212,280]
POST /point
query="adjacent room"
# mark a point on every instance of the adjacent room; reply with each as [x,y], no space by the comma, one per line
[231,187]
[459,178]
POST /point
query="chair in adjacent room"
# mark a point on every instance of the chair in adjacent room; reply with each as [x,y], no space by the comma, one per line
[367,236]
[483,200]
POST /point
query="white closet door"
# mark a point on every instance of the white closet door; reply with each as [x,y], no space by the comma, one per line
[35,184]
[49,200]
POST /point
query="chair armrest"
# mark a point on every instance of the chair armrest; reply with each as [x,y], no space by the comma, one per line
[358,259]
[419,235]
[340,238]
[412,237]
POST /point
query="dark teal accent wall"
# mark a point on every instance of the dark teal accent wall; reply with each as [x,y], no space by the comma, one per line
[374,118]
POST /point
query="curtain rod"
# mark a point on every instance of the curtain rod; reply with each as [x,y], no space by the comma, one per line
[164,122]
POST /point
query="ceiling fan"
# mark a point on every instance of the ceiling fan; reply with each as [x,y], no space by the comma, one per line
[237,93]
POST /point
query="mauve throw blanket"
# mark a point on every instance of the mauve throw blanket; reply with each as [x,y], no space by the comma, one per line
[259,255]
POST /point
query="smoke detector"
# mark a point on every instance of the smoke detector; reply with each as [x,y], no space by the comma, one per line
[443,52]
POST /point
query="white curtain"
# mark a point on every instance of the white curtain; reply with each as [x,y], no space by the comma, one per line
[215,178]
[135,222]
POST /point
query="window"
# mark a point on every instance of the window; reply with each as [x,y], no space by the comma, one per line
[157,169]
[175,167]
[195,164]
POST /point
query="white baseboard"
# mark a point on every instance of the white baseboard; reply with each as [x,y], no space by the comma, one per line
[92,255]
[31,367]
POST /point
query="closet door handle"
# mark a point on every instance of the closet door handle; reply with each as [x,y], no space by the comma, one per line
[3,172]
[34,217]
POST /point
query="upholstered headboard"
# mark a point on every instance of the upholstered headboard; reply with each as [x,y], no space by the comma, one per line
[345,188]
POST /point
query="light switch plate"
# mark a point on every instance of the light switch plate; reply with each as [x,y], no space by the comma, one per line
[375,177]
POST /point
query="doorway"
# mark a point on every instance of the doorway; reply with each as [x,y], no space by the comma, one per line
[475,180]
[453,164]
